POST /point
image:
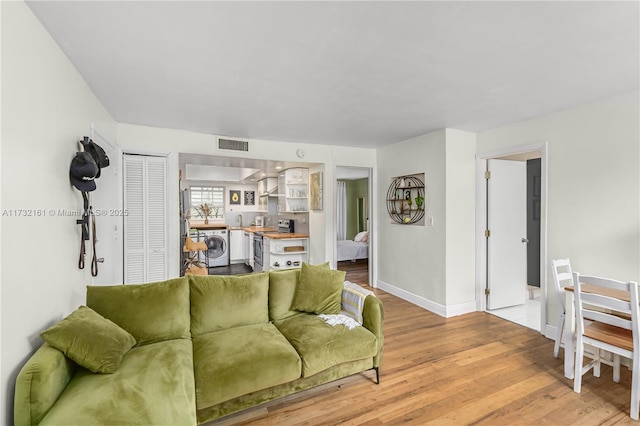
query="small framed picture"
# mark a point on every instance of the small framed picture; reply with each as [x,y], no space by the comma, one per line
[249,198]
[234,197]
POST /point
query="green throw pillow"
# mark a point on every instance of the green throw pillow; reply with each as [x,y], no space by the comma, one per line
[319,290]
[219,302]
[152,312]
[282,289]
[90,340]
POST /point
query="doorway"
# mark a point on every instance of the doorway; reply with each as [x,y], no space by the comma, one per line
[353,223]
[511,246]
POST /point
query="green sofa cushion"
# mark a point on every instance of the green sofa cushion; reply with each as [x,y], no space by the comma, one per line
[223,301]
[322,346]
[154,385]
[319,290]
[90,340]
[234,362]
[150,312]
[282,289]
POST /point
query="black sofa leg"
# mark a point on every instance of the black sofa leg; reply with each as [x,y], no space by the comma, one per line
[377,375]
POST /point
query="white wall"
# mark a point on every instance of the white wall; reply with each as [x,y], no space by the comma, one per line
[412,258]
[169,142]
[593,187]
[231,211]
[460,223]
[47,107]
[431,265]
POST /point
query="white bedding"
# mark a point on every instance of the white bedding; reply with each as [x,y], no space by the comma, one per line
[352,250]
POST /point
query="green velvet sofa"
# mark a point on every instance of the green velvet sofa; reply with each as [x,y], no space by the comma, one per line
[205,347]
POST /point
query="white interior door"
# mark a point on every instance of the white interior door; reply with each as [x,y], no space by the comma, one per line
[145,224]
[107,206]
[507,223]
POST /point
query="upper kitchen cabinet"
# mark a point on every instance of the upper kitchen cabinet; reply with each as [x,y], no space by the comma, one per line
[293,191]
[266,188]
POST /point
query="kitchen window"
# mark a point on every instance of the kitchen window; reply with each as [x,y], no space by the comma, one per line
[213,196]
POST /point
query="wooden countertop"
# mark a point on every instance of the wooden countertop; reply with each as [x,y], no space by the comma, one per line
[260,229]
[244,228]
[282,236]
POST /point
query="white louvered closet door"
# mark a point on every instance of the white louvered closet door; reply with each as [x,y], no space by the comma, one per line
[145,230]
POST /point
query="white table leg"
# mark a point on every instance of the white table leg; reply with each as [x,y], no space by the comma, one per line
[568,335]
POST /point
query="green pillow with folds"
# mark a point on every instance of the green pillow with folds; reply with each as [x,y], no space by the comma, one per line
[319,290]
[282,289]
[152,312]
[90,340]
[219,302]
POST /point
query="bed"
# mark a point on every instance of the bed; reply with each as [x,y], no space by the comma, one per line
[355,249]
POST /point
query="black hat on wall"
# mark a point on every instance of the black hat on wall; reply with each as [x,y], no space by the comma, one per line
[83,172]
[99,156]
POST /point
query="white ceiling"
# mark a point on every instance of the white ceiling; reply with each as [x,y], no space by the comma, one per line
[345,73]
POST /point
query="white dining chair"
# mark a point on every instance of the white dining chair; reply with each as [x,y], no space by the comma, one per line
[607,304]
[562,277]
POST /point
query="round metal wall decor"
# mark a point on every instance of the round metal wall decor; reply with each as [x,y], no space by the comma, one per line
[405,200]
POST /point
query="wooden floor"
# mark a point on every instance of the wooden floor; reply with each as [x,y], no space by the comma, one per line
[471,369]
[357,272]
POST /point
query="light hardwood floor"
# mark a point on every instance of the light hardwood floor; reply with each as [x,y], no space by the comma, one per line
[471,369]
[357,272]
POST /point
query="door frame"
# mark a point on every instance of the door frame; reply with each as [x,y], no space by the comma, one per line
[481,220]
[112,248]
[370,203]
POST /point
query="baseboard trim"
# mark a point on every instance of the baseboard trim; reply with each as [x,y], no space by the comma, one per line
[436,308]
[550,333]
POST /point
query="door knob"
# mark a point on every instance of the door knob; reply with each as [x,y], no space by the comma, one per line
[524,240]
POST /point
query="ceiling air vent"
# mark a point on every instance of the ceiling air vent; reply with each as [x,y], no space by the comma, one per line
[233,145]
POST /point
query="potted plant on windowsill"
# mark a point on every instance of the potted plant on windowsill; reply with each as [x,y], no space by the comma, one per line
[205,211]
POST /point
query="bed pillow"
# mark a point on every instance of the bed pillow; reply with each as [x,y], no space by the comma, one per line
[361,236]
[90,340]
[319,290]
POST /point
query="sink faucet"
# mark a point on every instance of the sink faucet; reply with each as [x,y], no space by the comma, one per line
[240,220]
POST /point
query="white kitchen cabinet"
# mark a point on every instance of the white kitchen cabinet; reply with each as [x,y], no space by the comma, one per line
[266,188]
[277,254]
[236,246]
[247,248]
[293,190]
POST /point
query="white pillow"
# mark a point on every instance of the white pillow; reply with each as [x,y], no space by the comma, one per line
[361,236]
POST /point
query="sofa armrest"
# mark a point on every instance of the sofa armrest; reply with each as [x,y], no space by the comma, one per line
[373,320]
[40,383]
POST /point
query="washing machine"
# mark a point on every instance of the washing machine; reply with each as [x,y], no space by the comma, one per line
[217,241]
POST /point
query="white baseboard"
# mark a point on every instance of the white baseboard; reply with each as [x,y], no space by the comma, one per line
[550,333]
[461,309]
[436,308]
